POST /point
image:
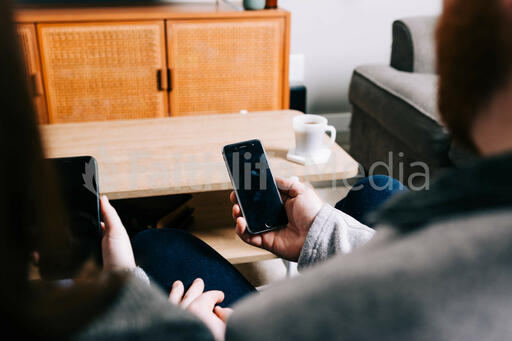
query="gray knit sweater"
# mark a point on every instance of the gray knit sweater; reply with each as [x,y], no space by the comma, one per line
[438,268]
[143,312]
[333,232]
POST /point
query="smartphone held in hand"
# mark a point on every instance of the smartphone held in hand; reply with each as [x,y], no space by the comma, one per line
[79,191]
[255,187]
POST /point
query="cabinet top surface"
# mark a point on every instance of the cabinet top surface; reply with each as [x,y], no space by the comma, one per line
[151,157]
[45,13]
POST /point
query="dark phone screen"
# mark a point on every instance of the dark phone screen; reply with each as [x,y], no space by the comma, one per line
[253,182]
[77,181]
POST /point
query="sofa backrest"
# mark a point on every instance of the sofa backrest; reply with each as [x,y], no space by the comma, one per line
[413,47]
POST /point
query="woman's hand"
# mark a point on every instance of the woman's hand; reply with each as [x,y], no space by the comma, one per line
[203,305]
[115,245]
[302,206]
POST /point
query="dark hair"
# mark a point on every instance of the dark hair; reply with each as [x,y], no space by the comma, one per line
[474,60]
[31,217]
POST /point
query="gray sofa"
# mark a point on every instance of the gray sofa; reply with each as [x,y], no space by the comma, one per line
[395,106]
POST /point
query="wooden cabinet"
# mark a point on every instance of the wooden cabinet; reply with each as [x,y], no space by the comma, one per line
[28,43]
[104,71]
[225,66]
[152,61]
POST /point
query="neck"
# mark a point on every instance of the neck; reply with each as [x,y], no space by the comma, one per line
[492,131]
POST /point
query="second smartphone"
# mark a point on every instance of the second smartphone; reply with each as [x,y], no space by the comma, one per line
[78,185]
[255,187]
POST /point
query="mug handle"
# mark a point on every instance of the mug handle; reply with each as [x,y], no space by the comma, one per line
[332,130]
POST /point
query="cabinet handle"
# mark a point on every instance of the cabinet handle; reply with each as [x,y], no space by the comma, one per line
[159,85]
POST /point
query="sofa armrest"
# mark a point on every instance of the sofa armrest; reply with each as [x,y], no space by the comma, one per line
[413,47]
[404,104]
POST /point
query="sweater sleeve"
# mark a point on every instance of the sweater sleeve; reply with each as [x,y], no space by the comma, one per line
[138,273]
[143,312]
[333,232]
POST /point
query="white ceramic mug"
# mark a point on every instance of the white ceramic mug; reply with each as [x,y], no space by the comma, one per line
[310,133]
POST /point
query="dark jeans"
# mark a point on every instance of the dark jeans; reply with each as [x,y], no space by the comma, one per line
[168,255]
[369,194]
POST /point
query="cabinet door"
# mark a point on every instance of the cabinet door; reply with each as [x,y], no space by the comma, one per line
[27,38]
[227,65]
[104,71]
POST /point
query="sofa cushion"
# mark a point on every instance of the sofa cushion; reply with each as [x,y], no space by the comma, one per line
[404,104]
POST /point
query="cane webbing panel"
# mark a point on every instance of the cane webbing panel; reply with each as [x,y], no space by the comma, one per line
[224,66]
[103,71]
[28,43]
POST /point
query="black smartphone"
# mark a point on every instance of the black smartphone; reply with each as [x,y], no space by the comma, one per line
[255,187]
[77,181]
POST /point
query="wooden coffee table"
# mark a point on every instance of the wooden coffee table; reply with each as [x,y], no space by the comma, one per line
[176,155]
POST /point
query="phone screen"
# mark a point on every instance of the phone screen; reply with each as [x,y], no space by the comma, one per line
[77,181]
[255,187]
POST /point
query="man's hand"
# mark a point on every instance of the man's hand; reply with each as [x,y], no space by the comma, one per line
[115,245]
[302,206]
[203,305]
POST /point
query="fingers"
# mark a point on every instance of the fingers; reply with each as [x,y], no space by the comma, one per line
[177,292]
[290,187]
[109,214]
[233,198]
[241,231]
[236,212]
[223,313]
[35,257]
[195,298]
[284,184]
[208,300]
[195,290]
[241,226]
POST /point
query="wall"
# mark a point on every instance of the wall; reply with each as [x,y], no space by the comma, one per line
[337,35]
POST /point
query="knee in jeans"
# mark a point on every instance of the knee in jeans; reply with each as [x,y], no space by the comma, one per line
[162,236]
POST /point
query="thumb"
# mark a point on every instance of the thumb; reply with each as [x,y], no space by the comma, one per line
[291,187]
[223,313]
[110,216]
[209,299]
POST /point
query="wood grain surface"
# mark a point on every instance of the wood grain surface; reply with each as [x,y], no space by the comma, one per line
[67,13]
[151,157]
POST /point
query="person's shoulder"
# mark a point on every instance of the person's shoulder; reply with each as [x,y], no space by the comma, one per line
[398,286]
[141,312]
[477,187]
